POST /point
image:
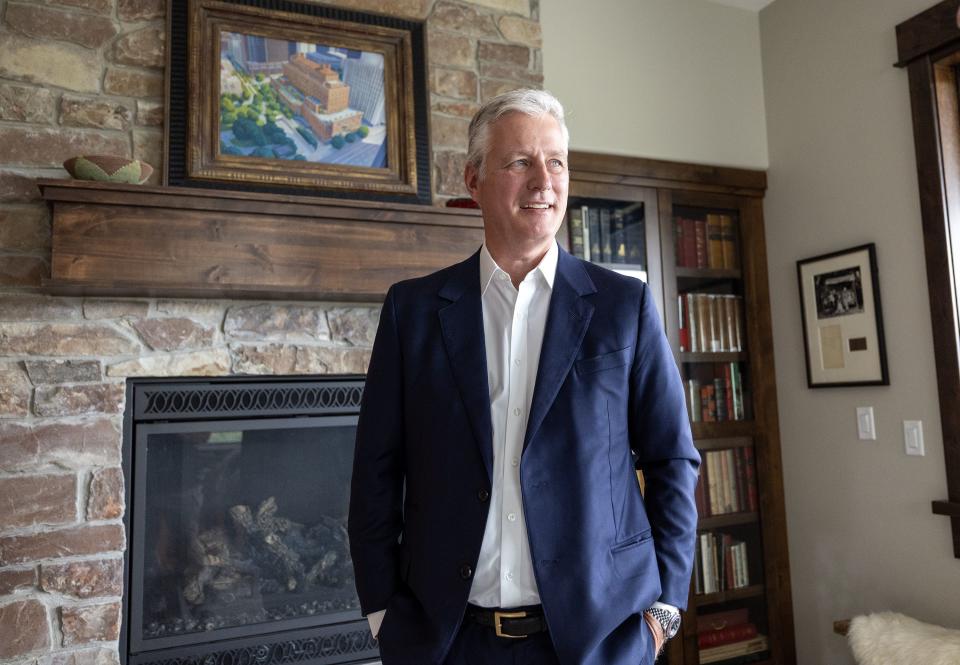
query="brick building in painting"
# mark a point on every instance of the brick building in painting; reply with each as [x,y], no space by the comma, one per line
[327,103]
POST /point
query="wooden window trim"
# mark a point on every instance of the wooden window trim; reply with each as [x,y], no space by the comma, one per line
[928,47]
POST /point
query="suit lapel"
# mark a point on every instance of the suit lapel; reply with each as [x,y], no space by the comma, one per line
[567,319]
[461,323]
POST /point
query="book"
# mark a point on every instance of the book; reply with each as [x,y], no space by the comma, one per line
[700,243]
[728,234]
[708,404]
[678,244]
[591,225]
[684,331]
[689,243]
[575,216]
[728,384]
[693,321]
[636,239]
[699,495]
[734,650]
[740,474]
[618,243]
[722,619]
[714,242]
[750,470]
[729,635]
[736,384]
[706,560]
[713,473]
[720,390]
[728,322]
[606,244]
[705,326]
[694,403]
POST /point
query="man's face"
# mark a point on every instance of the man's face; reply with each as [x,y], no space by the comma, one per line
[523,193]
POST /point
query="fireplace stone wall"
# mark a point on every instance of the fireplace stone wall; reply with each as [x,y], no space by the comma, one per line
[86,76]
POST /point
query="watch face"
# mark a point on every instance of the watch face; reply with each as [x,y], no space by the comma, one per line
[673,626]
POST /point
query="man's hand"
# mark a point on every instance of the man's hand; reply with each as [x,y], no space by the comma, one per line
[656,629]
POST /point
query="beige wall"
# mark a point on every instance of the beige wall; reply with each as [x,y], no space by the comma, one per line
[670,79]
[842,173]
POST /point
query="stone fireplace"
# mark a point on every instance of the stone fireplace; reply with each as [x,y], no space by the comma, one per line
[62,397]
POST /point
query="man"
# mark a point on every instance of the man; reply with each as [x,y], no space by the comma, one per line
[495,515]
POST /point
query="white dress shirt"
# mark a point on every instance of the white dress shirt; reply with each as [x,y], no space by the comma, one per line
[514,320]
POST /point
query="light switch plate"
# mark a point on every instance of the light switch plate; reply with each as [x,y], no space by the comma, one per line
[866,429]
[913,437]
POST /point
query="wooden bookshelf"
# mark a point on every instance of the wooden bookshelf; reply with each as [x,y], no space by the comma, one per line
[666,192]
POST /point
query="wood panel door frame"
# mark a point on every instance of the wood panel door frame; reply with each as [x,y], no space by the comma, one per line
[928,46]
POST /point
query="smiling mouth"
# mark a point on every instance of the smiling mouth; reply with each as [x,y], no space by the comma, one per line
[536,206]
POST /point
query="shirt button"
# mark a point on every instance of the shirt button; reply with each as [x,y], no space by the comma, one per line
[517,362]
[466,571]
[512,517]
[514,461]
[483,495]
[516,412]
[509,576]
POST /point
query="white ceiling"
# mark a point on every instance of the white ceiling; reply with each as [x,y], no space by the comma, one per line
[755,5]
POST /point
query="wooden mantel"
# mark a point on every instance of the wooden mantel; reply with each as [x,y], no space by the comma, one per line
[131,240]
[134,240]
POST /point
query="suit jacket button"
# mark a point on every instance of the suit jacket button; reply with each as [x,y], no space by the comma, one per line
[466,571]
[483,495]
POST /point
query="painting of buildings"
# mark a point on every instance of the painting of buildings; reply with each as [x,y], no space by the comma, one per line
[290,100]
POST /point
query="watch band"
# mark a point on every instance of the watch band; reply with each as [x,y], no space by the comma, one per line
[669,621]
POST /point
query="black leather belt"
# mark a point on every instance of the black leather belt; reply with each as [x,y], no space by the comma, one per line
[512,623]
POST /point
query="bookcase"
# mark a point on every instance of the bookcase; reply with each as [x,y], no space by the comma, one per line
[695,234]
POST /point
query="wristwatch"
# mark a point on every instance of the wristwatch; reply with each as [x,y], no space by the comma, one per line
[669,621]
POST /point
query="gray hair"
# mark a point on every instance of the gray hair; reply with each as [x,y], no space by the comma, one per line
[526,100]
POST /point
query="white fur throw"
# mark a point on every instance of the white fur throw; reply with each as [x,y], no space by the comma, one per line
[888,638]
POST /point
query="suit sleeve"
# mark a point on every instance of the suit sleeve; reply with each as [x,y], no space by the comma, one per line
[660,436]
[375,519]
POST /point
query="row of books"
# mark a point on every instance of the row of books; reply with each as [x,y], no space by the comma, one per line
[721,564]
[707,243]
[747,647]
[718,399]
[711,322]
[728,482]
[606,235]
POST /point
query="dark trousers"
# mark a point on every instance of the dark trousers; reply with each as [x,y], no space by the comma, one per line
[479,645]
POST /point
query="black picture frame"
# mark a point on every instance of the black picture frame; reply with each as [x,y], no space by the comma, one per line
[842,319]
[196,154]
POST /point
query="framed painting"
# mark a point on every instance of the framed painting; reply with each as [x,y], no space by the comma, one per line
[842,322]
[296,98]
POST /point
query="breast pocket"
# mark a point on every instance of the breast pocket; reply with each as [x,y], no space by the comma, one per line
[611,360]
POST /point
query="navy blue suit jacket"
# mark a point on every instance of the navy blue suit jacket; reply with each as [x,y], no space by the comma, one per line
[607,384]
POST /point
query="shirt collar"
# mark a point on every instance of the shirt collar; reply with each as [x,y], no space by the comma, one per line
[547,266]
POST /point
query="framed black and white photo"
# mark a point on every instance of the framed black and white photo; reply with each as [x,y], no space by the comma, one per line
[842,322]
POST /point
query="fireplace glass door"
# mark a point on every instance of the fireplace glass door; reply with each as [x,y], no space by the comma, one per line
[240,528]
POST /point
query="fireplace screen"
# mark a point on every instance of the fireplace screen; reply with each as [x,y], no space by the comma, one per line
[240,528]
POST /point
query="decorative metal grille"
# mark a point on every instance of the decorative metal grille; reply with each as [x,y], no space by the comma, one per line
[314,649]
[185,402]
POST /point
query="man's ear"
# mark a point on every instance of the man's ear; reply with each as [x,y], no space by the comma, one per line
[471,178]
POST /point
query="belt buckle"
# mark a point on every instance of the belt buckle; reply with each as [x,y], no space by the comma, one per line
[499,616]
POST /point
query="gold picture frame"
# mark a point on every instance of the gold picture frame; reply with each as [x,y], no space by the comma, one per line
[296,99]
